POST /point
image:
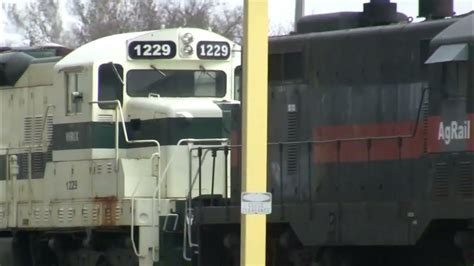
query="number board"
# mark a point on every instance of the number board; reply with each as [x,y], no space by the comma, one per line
[152,49]
[213,50]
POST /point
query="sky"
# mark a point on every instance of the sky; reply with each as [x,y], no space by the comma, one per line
[281,12]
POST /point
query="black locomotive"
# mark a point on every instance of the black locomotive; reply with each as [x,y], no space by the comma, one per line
[371,144]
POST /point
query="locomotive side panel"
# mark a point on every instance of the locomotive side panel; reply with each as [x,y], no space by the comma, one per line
[370,115]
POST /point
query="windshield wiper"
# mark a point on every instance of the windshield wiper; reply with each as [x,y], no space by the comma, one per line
[117,73]
[159,71]
[202,68]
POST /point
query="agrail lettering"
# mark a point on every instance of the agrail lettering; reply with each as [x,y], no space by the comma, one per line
[454,131]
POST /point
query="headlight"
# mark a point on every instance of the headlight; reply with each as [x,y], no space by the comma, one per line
[187,38]
[187,50]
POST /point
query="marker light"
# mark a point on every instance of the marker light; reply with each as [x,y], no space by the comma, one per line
[187,50]
[187,38]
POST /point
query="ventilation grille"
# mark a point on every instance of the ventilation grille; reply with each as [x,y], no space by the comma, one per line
[292,152]
[37,140]
[441,180]
[104,118]
[23,165]
[425,113]
[465,179]
[35,133]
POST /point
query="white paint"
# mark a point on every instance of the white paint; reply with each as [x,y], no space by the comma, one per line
[454,130]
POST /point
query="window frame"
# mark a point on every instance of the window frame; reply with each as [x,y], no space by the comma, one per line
[120,91]
[222,95]
[72,108]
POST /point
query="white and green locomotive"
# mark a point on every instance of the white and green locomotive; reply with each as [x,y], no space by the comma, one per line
[97,147]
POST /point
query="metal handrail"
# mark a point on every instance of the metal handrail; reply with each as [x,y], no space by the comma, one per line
[119,111]
[187,224]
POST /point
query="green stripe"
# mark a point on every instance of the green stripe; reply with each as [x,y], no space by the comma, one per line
[167,131]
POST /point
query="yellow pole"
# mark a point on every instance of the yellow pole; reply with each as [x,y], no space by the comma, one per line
[253,228]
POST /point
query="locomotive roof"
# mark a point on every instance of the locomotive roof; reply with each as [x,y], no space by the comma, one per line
[461,31]
[114,48]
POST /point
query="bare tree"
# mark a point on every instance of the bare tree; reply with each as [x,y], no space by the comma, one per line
[40,21]
[210,14]
[230,23]
[282,28]
[98,18]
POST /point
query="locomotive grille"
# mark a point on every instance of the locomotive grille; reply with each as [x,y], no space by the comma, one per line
[49,137]
[465,179]
[441,180]
[24,167]
[33,137]
[425,112]
[292,149]
[28,131]
[33,132]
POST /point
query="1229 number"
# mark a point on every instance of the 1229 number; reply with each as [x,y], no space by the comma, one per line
[152,49]
[71,185]
[213,50]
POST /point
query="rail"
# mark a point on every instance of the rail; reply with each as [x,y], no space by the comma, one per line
[119,113]
[188,220]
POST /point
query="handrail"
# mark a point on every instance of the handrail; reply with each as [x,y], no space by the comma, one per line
[45,118]
[406,136]
[187,232]
[8,190]
[413,133]
[119,111]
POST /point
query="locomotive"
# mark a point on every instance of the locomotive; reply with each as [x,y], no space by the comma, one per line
[371,144]
[94,144]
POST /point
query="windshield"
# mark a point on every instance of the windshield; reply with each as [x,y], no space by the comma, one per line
[176,83]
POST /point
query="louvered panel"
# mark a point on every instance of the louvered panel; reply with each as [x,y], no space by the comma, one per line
[37,130]
[425,112]
[23,166]
[292,150]
[104,118]
[38,164]
[49,129]
[465,179]
[35,133]
[441,180]
[28,131]
[49,135]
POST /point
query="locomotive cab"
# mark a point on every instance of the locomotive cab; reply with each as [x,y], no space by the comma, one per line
[451,69]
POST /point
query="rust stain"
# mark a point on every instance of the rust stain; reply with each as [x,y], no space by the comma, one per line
[109,207]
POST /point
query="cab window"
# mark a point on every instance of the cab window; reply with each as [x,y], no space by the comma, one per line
[176,83]
[455,79]
[238,83]
[110,84]
[73,93]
